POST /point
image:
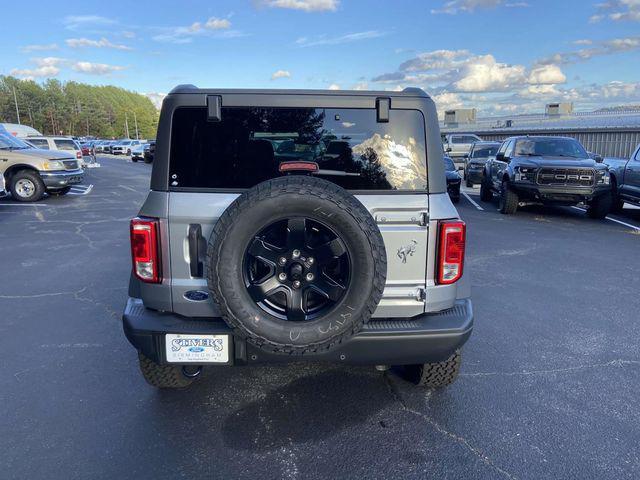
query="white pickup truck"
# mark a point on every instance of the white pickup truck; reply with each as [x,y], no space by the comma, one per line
[457,145]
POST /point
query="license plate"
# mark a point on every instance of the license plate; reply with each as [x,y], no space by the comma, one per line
[197,348]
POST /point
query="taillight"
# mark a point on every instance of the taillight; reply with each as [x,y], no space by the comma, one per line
[451,243]
[79,155]
[145,249]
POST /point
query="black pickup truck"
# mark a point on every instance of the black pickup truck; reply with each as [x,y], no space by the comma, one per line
[546,170]
[625,180]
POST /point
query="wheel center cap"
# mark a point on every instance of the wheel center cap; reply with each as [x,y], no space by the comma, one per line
[296,270]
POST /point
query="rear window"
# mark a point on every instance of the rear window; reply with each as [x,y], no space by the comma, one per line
[65,145]
[350,147]
[484,152]
[39,142]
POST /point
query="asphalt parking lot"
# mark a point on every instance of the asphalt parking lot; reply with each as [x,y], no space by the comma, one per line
[549,386]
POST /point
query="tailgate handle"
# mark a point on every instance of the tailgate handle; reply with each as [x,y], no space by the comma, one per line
[197,250]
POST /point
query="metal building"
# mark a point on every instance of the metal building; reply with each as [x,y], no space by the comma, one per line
[608,133]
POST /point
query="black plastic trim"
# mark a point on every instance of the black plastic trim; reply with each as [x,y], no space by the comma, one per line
[429,337]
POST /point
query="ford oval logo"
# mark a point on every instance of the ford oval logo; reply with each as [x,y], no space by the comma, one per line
[196,349]
[196,295]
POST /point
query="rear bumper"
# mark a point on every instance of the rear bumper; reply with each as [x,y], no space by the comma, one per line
[62,179]
[430,337]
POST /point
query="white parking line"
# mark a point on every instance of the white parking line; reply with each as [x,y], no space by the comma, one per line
[81,189]
[473,202]
[22,204]
[637,229]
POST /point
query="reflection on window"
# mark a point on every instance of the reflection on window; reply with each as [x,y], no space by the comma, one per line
[350,147]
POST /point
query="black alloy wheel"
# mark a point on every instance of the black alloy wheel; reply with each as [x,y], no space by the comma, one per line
[296,269]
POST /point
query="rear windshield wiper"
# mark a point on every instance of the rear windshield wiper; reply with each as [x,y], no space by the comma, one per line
[337,173]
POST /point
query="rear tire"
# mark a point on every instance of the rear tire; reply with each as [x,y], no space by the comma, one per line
[469,183]
[508,203]
[162,376]
[134,159]
[27,186]
[434,375]
[486,195]
[600,206]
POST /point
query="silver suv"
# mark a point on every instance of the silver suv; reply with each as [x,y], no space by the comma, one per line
[298,226]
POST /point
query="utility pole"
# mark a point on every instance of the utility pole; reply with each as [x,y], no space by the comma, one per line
[126,123]
[15,99]
[135,119]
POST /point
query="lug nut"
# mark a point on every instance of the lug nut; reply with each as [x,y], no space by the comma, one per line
[282,261]
[310,260]
[296,284]
[309,276]
[296,253]
[282,277]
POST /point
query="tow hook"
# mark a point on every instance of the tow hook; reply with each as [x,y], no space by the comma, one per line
[191,374]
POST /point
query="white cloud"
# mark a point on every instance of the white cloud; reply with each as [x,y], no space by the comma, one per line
[45,67]
[584,41]
[95,68]
[460,74]
[217,27]
[454,7]
[348,38]
[447,101]
[78,22]
[38,48]
[361,86]
[217,23]
[30,73]
[280,74]
[156,98]
[617,10]
[102,43]
[304,5]
[546,75]
[484,74]
[334,86]
[605,47]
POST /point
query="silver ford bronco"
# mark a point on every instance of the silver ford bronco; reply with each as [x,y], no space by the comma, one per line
[296,225]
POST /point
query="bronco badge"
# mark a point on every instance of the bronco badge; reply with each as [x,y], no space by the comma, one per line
[407,251]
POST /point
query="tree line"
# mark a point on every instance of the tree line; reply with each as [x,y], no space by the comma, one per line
[78,109]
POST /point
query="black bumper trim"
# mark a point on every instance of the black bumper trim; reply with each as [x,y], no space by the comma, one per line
[429,337]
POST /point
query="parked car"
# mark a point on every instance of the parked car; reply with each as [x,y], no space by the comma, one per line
[625,180]
[288,261]
[475,160]
[149,151]
[62,144]
[123,147]
[30,172]
[453,180]
[18,130]
[547,170]
[102,147]
[137,152]
[457,145]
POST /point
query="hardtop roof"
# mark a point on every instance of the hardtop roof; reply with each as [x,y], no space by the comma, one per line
[192,89]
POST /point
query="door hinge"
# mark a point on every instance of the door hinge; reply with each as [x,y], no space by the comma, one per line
[424,219]
[421,294]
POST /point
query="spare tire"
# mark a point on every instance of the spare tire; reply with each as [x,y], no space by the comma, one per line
[296,265]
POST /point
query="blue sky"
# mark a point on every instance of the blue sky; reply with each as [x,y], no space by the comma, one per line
[497,55]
